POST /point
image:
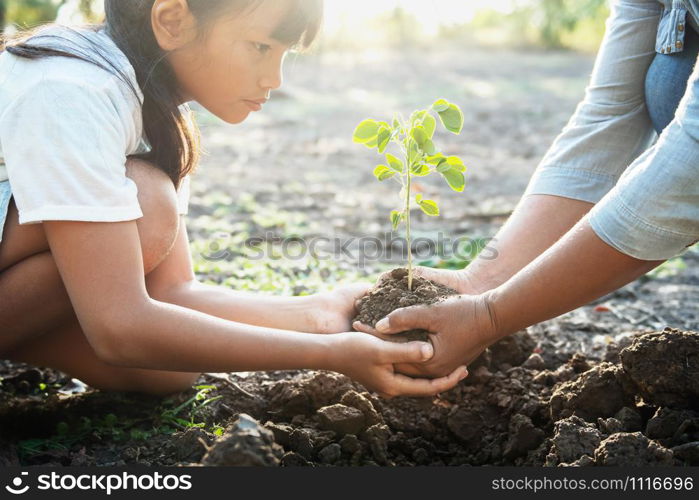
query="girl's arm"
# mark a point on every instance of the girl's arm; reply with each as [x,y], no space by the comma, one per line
[102,268]
[174,282]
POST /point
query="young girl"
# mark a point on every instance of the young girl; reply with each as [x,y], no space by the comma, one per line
[96,147]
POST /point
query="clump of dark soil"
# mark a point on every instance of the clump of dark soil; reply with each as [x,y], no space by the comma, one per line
[665,368]
[598,392]
[392,293]
[245,443]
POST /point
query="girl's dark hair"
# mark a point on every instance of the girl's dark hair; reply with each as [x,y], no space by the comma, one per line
[173,137]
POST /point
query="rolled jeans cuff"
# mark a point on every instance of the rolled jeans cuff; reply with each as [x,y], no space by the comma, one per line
[619,227]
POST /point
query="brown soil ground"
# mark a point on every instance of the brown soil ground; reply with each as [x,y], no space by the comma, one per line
[638,407]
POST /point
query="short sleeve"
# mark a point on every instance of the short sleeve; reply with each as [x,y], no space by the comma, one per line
[183,197]
[65,144]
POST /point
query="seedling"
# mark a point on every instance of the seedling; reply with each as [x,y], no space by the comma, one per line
[419,157]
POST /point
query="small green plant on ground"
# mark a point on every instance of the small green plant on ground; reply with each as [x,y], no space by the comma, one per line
[191,407]
[419,158]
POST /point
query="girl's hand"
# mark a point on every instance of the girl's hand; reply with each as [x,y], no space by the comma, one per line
[332,312]
[461,328]
[370,361]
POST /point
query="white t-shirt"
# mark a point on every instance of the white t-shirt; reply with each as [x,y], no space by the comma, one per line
[66,128]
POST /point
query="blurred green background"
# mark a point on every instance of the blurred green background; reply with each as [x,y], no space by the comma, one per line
[571,24]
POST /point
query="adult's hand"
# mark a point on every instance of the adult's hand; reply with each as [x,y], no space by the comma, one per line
[461,328]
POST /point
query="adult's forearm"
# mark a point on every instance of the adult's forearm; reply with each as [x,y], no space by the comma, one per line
[577,269]
[287,313]
[537,222]
[164,336]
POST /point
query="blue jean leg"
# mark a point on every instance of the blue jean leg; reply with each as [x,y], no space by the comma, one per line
[666,81]
[5,195]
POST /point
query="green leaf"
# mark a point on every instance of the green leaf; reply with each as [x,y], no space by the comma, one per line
[430,125]
[455,179]
[383,138]
[429,147]
[382,172]
[437,159]
[372,143]
[417,116]
[420,170]
[396,218]
[418,198]
[365,131]
[452,169]
[420,135]
[394,163]
[452,118]
[396,123]
[456,163]
[429,207]
[440,105]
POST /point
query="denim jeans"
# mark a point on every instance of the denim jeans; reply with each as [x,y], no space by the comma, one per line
[644,184]
[666,81]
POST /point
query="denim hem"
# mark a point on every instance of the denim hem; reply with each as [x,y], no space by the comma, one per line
[629,233]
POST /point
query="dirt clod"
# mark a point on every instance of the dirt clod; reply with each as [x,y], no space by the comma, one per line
[632,449]
[573,438]
[524,436]
[342,419]
[597,392]
[392,293]
[688,452]
[330,454]
[665,367]
[362,402]
[245,442]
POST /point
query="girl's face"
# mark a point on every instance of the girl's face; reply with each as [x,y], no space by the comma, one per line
[232,67]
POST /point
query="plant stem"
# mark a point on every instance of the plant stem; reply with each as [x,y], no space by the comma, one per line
[407,225]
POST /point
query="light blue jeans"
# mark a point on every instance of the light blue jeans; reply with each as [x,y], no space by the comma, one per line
[645,185]
[666,81]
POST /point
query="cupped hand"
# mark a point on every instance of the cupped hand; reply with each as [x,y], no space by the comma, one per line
[334,311]
[461,327]
[370,361]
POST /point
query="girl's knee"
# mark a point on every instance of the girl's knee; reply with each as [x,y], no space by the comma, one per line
[158,200]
